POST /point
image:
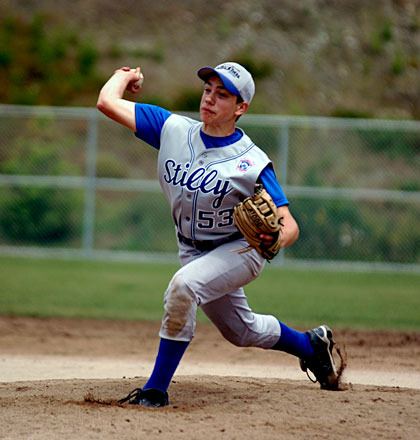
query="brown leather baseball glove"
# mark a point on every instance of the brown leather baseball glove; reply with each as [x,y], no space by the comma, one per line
[258,215]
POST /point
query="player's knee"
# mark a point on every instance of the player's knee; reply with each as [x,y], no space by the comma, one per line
[179,300]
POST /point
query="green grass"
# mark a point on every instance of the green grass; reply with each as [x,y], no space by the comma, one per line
[115,290]
[372,300]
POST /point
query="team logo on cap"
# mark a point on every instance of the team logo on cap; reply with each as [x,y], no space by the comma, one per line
[244,165]
[231,69]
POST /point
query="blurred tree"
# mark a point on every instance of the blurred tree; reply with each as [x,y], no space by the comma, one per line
[40,67]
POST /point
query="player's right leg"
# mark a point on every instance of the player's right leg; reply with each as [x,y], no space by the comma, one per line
[176,332]
[205,276]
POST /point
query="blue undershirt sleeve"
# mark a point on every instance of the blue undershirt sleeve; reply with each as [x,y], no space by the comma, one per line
[149,122]
[269,180]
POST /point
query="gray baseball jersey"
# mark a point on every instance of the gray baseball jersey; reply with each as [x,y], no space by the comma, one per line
[204,184]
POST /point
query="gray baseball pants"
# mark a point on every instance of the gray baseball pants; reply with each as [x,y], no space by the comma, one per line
[214,281]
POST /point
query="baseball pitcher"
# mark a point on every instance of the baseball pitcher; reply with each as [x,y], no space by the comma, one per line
[231,216]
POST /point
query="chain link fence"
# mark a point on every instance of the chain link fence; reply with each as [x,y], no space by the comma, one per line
[74,183]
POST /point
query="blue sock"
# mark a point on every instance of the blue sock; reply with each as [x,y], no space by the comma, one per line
[294,342]
[167,360]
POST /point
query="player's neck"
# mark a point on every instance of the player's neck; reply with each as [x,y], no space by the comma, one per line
[221,130]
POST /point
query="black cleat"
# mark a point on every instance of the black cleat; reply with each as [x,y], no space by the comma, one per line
[321,364]
[150,398]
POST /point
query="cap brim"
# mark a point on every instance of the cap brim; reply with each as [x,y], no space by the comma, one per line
[206,72]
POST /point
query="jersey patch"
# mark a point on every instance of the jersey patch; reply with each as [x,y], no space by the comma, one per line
[244,165]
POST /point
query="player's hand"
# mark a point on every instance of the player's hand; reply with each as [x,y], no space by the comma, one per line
[266,239]
[135,78]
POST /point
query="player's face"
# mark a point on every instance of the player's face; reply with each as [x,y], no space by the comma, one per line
[218,106]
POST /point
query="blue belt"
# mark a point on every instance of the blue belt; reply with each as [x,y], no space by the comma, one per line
[208,245]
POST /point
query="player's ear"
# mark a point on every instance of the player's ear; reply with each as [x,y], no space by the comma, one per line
[241,108]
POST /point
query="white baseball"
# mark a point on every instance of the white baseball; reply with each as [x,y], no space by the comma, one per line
[139,82]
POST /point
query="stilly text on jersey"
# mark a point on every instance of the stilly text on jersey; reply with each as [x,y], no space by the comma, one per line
[198,180]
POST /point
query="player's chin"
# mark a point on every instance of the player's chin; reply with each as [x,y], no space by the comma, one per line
[206,115]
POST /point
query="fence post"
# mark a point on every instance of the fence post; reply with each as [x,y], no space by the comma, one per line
[90,184]
[282,157]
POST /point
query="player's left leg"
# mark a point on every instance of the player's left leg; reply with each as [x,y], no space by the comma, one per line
[215,280]
[241,326]
[238,324]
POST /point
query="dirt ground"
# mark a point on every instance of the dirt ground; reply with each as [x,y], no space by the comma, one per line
[60,378]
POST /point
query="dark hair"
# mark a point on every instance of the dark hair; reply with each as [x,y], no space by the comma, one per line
[239,100]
